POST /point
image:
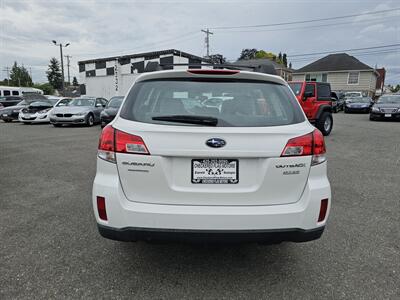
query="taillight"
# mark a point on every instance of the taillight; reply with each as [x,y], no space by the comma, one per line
[319,149]
[115,141]
[129,143]
[322,210]
[309,144]
[101,207]
[106,144]
[299,146]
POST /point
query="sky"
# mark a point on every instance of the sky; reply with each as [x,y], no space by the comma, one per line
[104,28]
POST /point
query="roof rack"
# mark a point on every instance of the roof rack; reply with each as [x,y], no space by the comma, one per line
[261,68]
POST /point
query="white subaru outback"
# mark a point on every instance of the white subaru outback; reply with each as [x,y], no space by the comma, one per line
[245,167]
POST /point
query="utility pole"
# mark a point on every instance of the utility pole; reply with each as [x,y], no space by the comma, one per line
[7,69]
[207,40]
[30,73]
[68,57]
[62,63]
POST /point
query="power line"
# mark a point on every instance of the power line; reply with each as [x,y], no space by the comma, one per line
[362,22]
[344,50]
[306,21]
[306,59]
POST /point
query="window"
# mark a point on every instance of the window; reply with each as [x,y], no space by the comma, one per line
[296,87]
[250,104]
[320,77]
[353,77]
[324,92]
[15,93]
[310,88]
[6,93]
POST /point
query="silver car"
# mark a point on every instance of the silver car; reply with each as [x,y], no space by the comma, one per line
[84,110]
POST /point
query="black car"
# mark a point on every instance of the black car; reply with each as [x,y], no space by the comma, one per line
[10,100]
[387,107]
[11,113]
[358,104]
[109,113]
[337,101]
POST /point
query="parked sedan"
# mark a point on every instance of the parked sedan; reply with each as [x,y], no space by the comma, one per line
[39,112]
[359,104]
[387,107]
[10,113]
[109,113]
[84,110]
[10,100]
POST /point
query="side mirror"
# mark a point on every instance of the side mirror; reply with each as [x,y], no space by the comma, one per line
[307,95]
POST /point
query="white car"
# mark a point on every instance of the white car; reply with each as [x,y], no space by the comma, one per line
[253,172]
[39,112]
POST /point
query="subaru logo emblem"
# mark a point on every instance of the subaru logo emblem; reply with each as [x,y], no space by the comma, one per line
[215,143]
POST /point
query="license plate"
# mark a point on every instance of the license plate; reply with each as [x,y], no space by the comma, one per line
[26,116]
[388,115]
[215,171]
[5,115]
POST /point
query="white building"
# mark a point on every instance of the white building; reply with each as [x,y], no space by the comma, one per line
[113,76]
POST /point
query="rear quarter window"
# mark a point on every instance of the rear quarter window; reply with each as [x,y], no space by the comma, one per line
[250,103]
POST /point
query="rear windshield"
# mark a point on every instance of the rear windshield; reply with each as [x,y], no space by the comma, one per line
[231,103]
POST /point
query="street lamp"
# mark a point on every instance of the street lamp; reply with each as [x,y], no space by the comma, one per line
[62,62]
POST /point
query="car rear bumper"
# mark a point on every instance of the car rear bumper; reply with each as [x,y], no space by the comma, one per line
[357,110]
[131,234]
[130,220]
[10,116]
[382,115]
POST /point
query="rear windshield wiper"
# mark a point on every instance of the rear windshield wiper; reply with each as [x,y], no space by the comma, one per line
[200,120]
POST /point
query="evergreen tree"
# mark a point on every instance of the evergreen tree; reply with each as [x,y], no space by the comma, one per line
[19,76]
[54,74]
[284,59]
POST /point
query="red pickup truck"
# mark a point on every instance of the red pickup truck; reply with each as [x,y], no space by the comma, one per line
[315,99]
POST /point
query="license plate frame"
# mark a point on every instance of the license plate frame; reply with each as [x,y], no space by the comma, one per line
[388,115]
[215,178]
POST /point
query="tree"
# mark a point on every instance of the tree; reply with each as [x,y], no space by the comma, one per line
[395,89]
[54,74]
[47,88]
[248,54]
[284,59]
[19,76]
[75,81]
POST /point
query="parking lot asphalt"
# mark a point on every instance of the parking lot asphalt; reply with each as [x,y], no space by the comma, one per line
[50,247]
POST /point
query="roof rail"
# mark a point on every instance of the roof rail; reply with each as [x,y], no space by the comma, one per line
[261,68]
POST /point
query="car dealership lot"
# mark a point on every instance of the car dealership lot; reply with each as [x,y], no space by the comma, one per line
[50,246]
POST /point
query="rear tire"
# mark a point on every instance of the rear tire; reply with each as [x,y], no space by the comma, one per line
[89,120]
[325,123]
[371,118]
[57,125]
[6,121]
